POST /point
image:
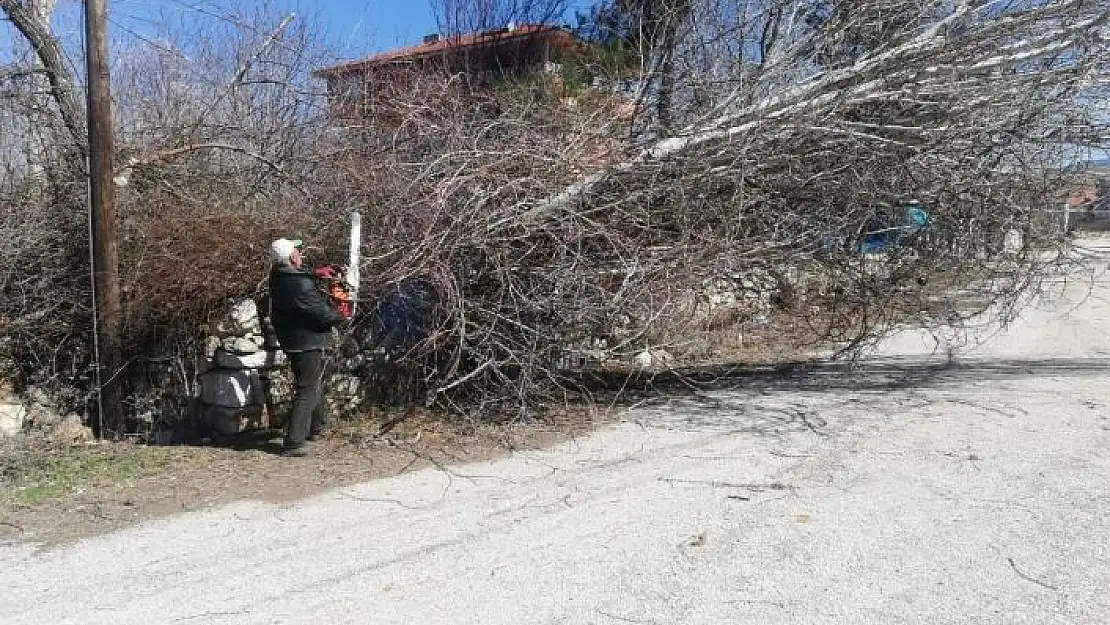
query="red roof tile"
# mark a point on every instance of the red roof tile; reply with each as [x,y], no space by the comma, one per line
[443,44]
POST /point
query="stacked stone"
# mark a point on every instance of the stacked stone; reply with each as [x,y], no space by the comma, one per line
[750,296]
[34,414]
[246,384]
[13,413]
[343,388]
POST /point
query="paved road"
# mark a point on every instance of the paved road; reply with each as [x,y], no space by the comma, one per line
[898,493]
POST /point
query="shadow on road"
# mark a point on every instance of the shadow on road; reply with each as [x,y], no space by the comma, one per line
[804,396]
[871,375]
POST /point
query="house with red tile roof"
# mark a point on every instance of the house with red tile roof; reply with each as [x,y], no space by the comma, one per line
[355,88]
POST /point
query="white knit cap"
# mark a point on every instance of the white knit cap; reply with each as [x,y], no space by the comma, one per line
[282,249]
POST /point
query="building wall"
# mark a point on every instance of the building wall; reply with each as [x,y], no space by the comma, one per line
[367,90]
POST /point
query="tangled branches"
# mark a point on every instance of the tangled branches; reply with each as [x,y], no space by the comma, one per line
[785,167]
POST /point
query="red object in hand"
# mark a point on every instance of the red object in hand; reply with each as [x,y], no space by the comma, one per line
[340,296]
[326,272]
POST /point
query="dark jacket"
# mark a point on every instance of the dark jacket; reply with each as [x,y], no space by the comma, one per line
[300,312]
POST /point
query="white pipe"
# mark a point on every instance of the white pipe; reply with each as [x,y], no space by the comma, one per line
[353,258]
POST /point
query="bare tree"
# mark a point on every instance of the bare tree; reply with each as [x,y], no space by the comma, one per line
[32,19]
[459,17]
[653,30]
[864,172]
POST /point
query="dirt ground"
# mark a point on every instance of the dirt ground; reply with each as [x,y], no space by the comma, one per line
[54,494]
[51,494]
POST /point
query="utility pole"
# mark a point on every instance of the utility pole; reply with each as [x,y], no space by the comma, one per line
[102,217]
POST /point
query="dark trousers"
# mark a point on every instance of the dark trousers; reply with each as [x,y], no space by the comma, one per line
[310,411]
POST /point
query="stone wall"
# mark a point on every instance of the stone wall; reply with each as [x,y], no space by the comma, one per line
[246,383]
[34,414]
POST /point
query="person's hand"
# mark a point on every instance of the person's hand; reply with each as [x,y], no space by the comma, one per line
[325,272]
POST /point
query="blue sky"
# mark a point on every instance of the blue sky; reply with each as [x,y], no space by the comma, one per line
[353,27]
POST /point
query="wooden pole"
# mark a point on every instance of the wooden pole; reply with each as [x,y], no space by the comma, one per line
[102,214]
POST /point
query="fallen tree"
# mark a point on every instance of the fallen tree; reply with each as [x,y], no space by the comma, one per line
[786,162]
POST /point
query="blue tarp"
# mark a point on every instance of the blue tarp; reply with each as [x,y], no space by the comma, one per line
[915,219]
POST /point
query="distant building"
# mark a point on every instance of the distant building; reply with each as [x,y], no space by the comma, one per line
[1085,197]
[1093,189]
[356,89]
[1087,203]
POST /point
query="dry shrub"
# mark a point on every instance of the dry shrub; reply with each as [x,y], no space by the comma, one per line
[45,306]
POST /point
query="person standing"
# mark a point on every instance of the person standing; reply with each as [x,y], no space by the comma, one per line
[302,318]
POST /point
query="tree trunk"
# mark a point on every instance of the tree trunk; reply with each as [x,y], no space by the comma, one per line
[32,20]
